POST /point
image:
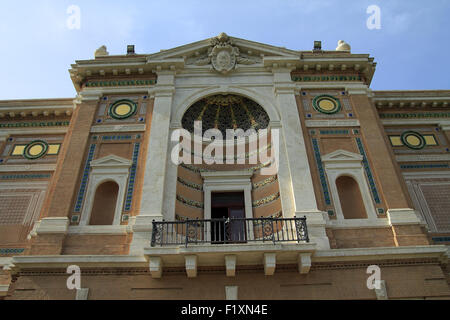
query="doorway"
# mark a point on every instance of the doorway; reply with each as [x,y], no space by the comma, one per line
[228,218]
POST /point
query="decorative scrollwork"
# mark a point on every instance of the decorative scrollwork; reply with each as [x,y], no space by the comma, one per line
[302,232]
[157,234]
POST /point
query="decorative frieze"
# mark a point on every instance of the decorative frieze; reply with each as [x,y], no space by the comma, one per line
[415,115]
[11,251]
[35,124]
[425,166]
[264,182]
[266,200]
[189,202]
[120,83]
[320,78]
[24,176]
[190,185]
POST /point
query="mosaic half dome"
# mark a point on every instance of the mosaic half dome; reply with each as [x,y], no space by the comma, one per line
[226,112]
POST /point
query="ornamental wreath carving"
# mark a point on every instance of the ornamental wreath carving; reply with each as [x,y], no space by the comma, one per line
[223,56]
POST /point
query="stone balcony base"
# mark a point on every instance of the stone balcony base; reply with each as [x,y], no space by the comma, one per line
[229,256]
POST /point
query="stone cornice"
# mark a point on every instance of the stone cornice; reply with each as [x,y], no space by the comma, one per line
[99,261]
[430,99]
[387,253]
[121,66]
[17,109]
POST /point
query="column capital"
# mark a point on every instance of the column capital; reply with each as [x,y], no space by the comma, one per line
[444,125]
[3,136]
[166,91]
[359,89]
[87,96]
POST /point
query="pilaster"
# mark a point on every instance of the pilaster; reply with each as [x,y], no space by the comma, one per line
[400,213]
[392,185]
[52,228]
[294,159]
[156,164]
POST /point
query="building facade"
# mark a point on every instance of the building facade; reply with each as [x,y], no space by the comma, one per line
[330,183]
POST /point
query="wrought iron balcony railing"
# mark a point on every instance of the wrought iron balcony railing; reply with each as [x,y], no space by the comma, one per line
[229,231]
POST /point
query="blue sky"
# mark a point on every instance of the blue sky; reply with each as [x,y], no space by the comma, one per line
[412,47]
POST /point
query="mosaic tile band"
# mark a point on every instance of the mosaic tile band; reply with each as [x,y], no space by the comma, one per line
[84,179]
[131,182]
[372,185]
[323,179]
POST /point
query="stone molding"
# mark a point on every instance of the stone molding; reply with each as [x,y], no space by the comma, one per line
[4,290]
[27,167]
[98,230]
[52,225]
[119,128]
[423,157]
[332,123]
[109,168]
[404,216]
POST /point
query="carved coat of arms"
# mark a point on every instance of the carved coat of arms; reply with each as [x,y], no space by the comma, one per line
[223,56]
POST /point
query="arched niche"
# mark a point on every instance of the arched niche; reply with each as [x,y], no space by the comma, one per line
[111,168]
[350,197]
[104,206]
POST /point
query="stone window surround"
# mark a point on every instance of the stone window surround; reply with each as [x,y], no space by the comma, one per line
[228,181]
[38,198]
[418,197]
[344,163]
[109,168]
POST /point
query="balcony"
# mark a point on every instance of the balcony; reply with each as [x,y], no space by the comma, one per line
[229,231]
[230,244]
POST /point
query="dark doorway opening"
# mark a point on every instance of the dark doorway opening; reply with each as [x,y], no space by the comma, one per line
[228,218]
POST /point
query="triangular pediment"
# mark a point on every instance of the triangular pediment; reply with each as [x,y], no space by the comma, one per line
[111,161]
[253,51]
[342,156]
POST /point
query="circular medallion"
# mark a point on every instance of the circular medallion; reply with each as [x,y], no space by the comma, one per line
[35,149]
[122,109]
[326,104]
[413,140]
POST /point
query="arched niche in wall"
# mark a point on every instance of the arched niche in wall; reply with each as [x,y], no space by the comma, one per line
[340,166]
[104,206]
[109,169]
[350,197]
